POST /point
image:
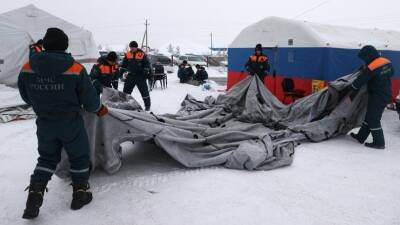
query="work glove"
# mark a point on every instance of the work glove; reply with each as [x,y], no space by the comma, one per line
[103,111]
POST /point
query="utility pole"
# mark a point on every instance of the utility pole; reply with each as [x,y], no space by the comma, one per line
[211,43]
[145,37]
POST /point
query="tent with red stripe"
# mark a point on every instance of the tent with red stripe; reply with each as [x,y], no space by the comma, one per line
[309,54]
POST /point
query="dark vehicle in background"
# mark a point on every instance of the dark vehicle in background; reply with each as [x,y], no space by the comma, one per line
[164,60]
[193,60]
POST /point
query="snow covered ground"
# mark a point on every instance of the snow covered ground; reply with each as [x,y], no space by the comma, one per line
[334,182]
[9,97]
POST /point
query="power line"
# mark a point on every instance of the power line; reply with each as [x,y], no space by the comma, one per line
[311,9]
[115,26]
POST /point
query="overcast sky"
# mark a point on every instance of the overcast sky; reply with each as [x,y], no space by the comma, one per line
[119,21]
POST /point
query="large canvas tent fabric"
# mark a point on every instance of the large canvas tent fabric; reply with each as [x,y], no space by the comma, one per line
[247,128]
[309,53]
[21,27]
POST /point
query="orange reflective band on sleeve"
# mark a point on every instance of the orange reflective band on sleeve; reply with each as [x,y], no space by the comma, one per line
[379,62]
[26,68]
[75,69]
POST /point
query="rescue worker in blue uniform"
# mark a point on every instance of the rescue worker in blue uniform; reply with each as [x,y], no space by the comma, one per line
[57,87]
[377,76]
[105,73]
[258,64]
[138,66]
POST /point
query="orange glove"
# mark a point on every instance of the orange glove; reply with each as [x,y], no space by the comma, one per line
[103,111]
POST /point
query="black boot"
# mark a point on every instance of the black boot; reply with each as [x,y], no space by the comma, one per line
[378,140]
[362,134]
[81,196]
[34,201]
[355,136]
[373,145]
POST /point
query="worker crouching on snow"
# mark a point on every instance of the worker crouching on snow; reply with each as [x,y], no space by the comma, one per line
[185,72]
[57,87]
[105,73]
[201,75]
[376,74]
[258,63]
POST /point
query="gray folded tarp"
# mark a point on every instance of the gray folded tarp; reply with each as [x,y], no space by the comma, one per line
[12,107]
[247,128]
[18,112]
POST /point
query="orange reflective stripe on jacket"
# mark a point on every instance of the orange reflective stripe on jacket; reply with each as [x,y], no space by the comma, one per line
[105,69]
[26,68]
[139,55]
[108,69]
[261,58]
[75,69]
[129,55]
[114,68]
[379,62]
[136,55]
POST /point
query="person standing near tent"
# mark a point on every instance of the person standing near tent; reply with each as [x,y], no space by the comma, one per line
[258,63]
[376,74]
[105,73]
[138,66]
[36,48]
[57,87]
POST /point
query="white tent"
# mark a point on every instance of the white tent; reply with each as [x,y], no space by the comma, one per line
[276,32]
[21,27]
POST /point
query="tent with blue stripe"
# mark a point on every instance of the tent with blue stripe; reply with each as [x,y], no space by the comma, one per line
[310,54]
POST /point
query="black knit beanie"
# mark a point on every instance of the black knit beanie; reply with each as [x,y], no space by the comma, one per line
[55,39]
[133,44]
[368,53]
